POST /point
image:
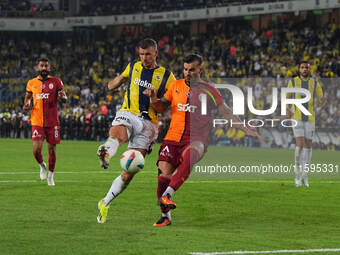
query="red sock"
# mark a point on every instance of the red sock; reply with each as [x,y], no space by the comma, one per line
[163,183]
[190,158]
[38,157]
[52,158]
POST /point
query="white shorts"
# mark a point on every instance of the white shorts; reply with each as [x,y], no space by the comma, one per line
[142,133]
[304,129]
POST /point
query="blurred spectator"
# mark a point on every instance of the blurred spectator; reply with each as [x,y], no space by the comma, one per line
[241,56]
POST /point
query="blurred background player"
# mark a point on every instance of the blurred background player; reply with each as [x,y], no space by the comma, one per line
[188,136]
[46,91]
[305,129]
[136,121]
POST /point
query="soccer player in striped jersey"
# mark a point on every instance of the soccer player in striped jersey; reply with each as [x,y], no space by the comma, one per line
[136,121]
[46,92]
[305,129]
[188,136]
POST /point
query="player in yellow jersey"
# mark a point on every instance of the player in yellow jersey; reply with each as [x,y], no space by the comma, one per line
[136,121]
[305,129]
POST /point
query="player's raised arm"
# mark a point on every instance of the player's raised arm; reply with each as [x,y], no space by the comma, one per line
[227,113]
[116,82]
[160,105]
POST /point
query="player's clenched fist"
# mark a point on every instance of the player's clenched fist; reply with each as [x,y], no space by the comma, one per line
[150,93]
[62,96]
[27,105]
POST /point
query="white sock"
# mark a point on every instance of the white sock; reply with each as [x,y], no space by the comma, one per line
[169,191]
[168,215]
[298,152]
[117,187]
[112,145]
[307,154]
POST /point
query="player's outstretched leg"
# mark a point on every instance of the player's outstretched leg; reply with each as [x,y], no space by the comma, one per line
[118,186]
[106,151]
[165,219]
[191,156]
[118,135]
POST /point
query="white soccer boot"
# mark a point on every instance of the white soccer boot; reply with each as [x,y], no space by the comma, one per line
[50,179]
[43,171]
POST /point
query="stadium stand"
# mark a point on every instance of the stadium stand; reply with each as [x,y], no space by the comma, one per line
[235,52]
[25,8]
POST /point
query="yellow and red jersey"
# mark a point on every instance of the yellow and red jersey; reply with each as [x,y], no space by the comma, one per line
[45,103]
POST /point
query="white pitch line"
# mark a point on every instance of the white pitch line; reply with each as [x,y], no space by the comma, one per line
[265,252]
[68,172]
[191,182]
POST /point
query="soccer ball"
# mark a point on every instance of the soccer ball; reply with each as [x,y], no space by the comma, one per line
[132,161]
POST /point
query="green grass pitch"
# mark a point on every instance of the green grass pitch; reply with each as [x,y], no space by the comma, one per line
[225,213]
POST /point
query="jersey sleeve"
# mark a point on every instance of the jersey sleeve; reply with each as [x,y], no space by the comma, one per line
[126,73]
[319,93]
[168,93]
[29,87]
[171,79]
[168,78]
[60,85]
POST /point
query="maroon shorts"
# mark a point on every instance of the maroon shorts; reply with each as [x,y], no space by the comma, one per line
[171,152]
[52,134]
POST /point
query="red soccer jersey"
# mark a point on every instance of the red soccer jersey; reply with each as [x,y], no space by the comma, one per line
[45,102]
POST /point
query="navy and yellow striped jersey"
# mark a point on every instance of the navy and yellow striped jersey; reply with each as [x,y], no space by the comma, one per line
[141,78]
[315,90]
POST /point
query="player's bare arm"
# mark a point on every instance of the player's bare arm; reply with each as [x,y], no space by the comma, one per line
[62,98]
[27,102]
[159,104]
[227,113]
[116,82]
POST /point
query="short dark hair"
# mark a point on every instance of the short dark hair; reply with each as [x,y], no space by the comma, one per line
[192,58]
[147,42]
[43,59]
[303,62]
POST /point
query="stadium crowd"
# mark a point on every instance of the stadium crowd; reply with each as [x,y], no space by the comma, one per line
[17,8]
[240,55]
[107,7]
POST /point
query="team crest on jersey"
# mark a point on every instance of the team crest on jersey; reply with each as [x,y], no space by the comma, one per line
[166,152]
[158,77]
[50,85]
[36,134]
[42,86]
